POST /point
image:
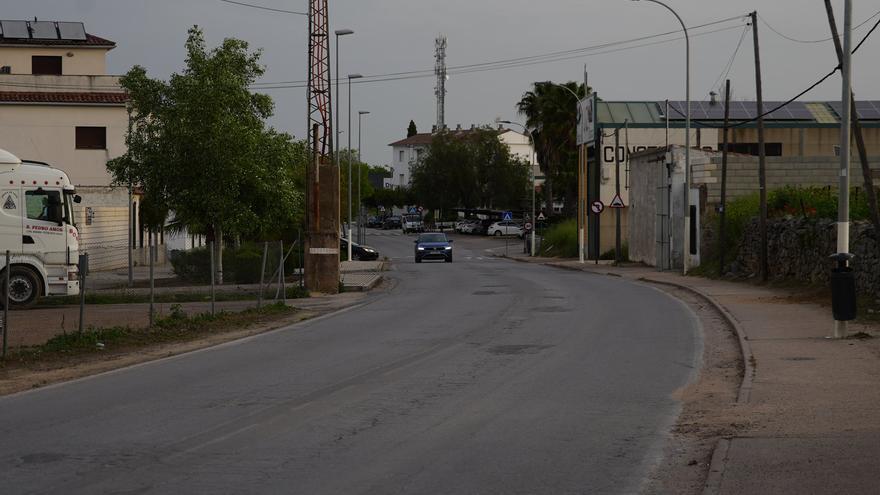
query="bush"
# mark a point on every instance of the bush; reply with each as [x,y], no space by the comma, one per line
[240,266]
[561,240]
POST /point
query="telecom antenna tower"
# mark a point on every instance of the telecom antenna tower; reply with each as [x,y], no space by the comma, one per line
[322,192]
[440,71]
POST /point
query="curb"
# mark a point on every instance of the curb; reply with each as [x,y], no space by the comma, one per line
[745,386]
[716,467]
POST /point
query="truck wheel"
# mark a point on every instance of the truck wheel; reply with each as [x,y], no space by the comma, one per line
[24,287]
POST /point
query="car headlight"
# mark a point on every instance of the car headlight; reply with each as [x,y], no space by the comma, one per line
[420,248]
[448,247]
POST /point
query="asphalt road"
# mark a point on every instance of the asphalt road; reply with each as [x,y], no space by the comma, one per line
[480,376]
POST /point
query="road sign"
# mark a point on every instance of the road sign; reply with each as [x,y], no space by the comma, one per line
[413,209]
[617,202]
[382,208]
[541,217]
[507,216]
[528,226]
[597,207]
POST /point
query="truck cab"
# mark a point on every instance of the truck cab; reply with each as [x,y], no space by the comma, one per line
[38,229]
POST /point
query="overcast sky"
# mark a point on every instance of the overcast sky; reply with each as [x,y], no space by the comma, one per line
[398,36]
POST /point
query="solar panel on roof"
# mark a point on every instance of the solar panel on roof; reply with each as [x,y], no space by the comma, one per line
[43,30]
[72,31]
[15,29]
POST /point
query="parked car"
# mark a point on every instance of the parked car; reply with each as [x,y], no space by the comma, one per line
[412,222]
[374,222]
[507,227]
[482,228]
[433,246]
[391,223]
[358,252]
[466,226]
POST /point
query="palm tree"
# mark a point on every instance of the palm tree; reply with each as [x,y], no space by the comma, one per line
[551,111]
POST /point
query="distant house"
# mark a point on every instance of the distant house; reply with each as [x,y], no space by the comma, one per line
[406,152]
[58,105]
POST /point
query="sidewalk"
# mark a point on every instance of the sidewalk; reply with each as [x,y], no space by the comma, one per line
[811,409]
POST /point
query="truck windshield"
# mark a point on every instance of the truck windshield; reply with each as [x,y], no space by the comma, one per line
[44,205]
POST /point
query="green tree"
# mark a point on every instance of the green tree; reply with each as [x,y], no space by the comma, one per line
[470,170]
[199,147]
[552,111]
[412,130]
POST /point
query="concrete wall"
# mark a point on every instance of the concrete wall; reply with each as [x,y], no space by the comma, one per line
[742,174]
[74,60]
[102,221]
[60,84]
[47,133]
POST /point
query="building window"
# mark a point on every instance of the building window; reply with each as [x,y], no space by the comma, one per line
[91,138]
[770,149]
[400,155]
[45,66]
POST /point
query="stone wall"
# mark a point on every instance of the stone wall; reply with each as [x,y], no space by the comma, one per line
[799,249]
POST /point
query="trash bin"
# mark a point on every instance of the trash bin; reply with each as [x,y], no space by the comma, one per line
[843,288]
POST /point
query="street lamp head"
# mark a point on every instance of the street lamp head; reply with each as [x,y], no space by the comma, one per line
[355,76]
[343,32]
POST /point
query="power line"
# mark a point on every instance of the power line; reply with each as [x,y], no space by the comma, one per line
[793,99]
[501,64]
[253,6]
[726,70]
[789,38]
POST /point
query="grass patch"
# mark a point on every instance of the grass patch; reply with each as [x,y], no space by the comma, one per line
[177,326]
[293,292]
[560,240]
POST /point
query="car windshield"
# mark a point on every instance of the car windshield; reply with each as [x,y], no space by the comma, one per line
[432,238]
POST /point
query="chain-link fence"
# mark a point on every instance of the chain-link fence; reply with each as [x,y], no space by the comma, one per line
[196,281]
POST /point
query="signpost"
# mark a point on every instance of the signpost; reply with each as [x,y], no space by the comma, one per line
[617,202]
[507,216]
[597,207]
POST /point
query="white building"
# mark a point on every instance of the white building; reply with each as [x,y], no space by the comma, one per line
[59,106]
[406,152]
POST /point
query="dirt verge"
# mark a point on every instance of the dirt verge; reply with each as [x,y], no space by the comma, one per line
[709,405]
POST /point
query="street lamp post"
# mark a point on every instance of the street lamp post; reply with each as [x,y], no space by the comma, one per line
[687,138]
[360,223]
[532,167]
[350,240]
[582,208]
[338,32]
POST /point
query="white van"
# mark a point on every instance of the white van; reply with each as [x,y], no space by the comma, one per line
[38,229]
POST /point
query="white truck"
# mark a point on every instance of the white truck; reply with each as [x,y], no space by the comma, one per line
[38,229]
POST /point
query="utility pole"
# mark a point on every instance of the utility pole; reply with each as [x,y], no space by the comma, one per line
[322,217]
[722,209]
[617,192]
[762,158]
[867,175]
[843,256]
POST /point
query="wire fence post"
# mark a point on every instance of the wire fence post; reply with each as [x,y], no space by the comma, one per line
[152,255]
[6,302]
[83,267]
[281,273]
[211,248]
[262,273]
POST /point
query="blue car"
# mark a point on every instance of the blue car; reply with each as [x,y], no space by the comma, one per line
[433,246]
